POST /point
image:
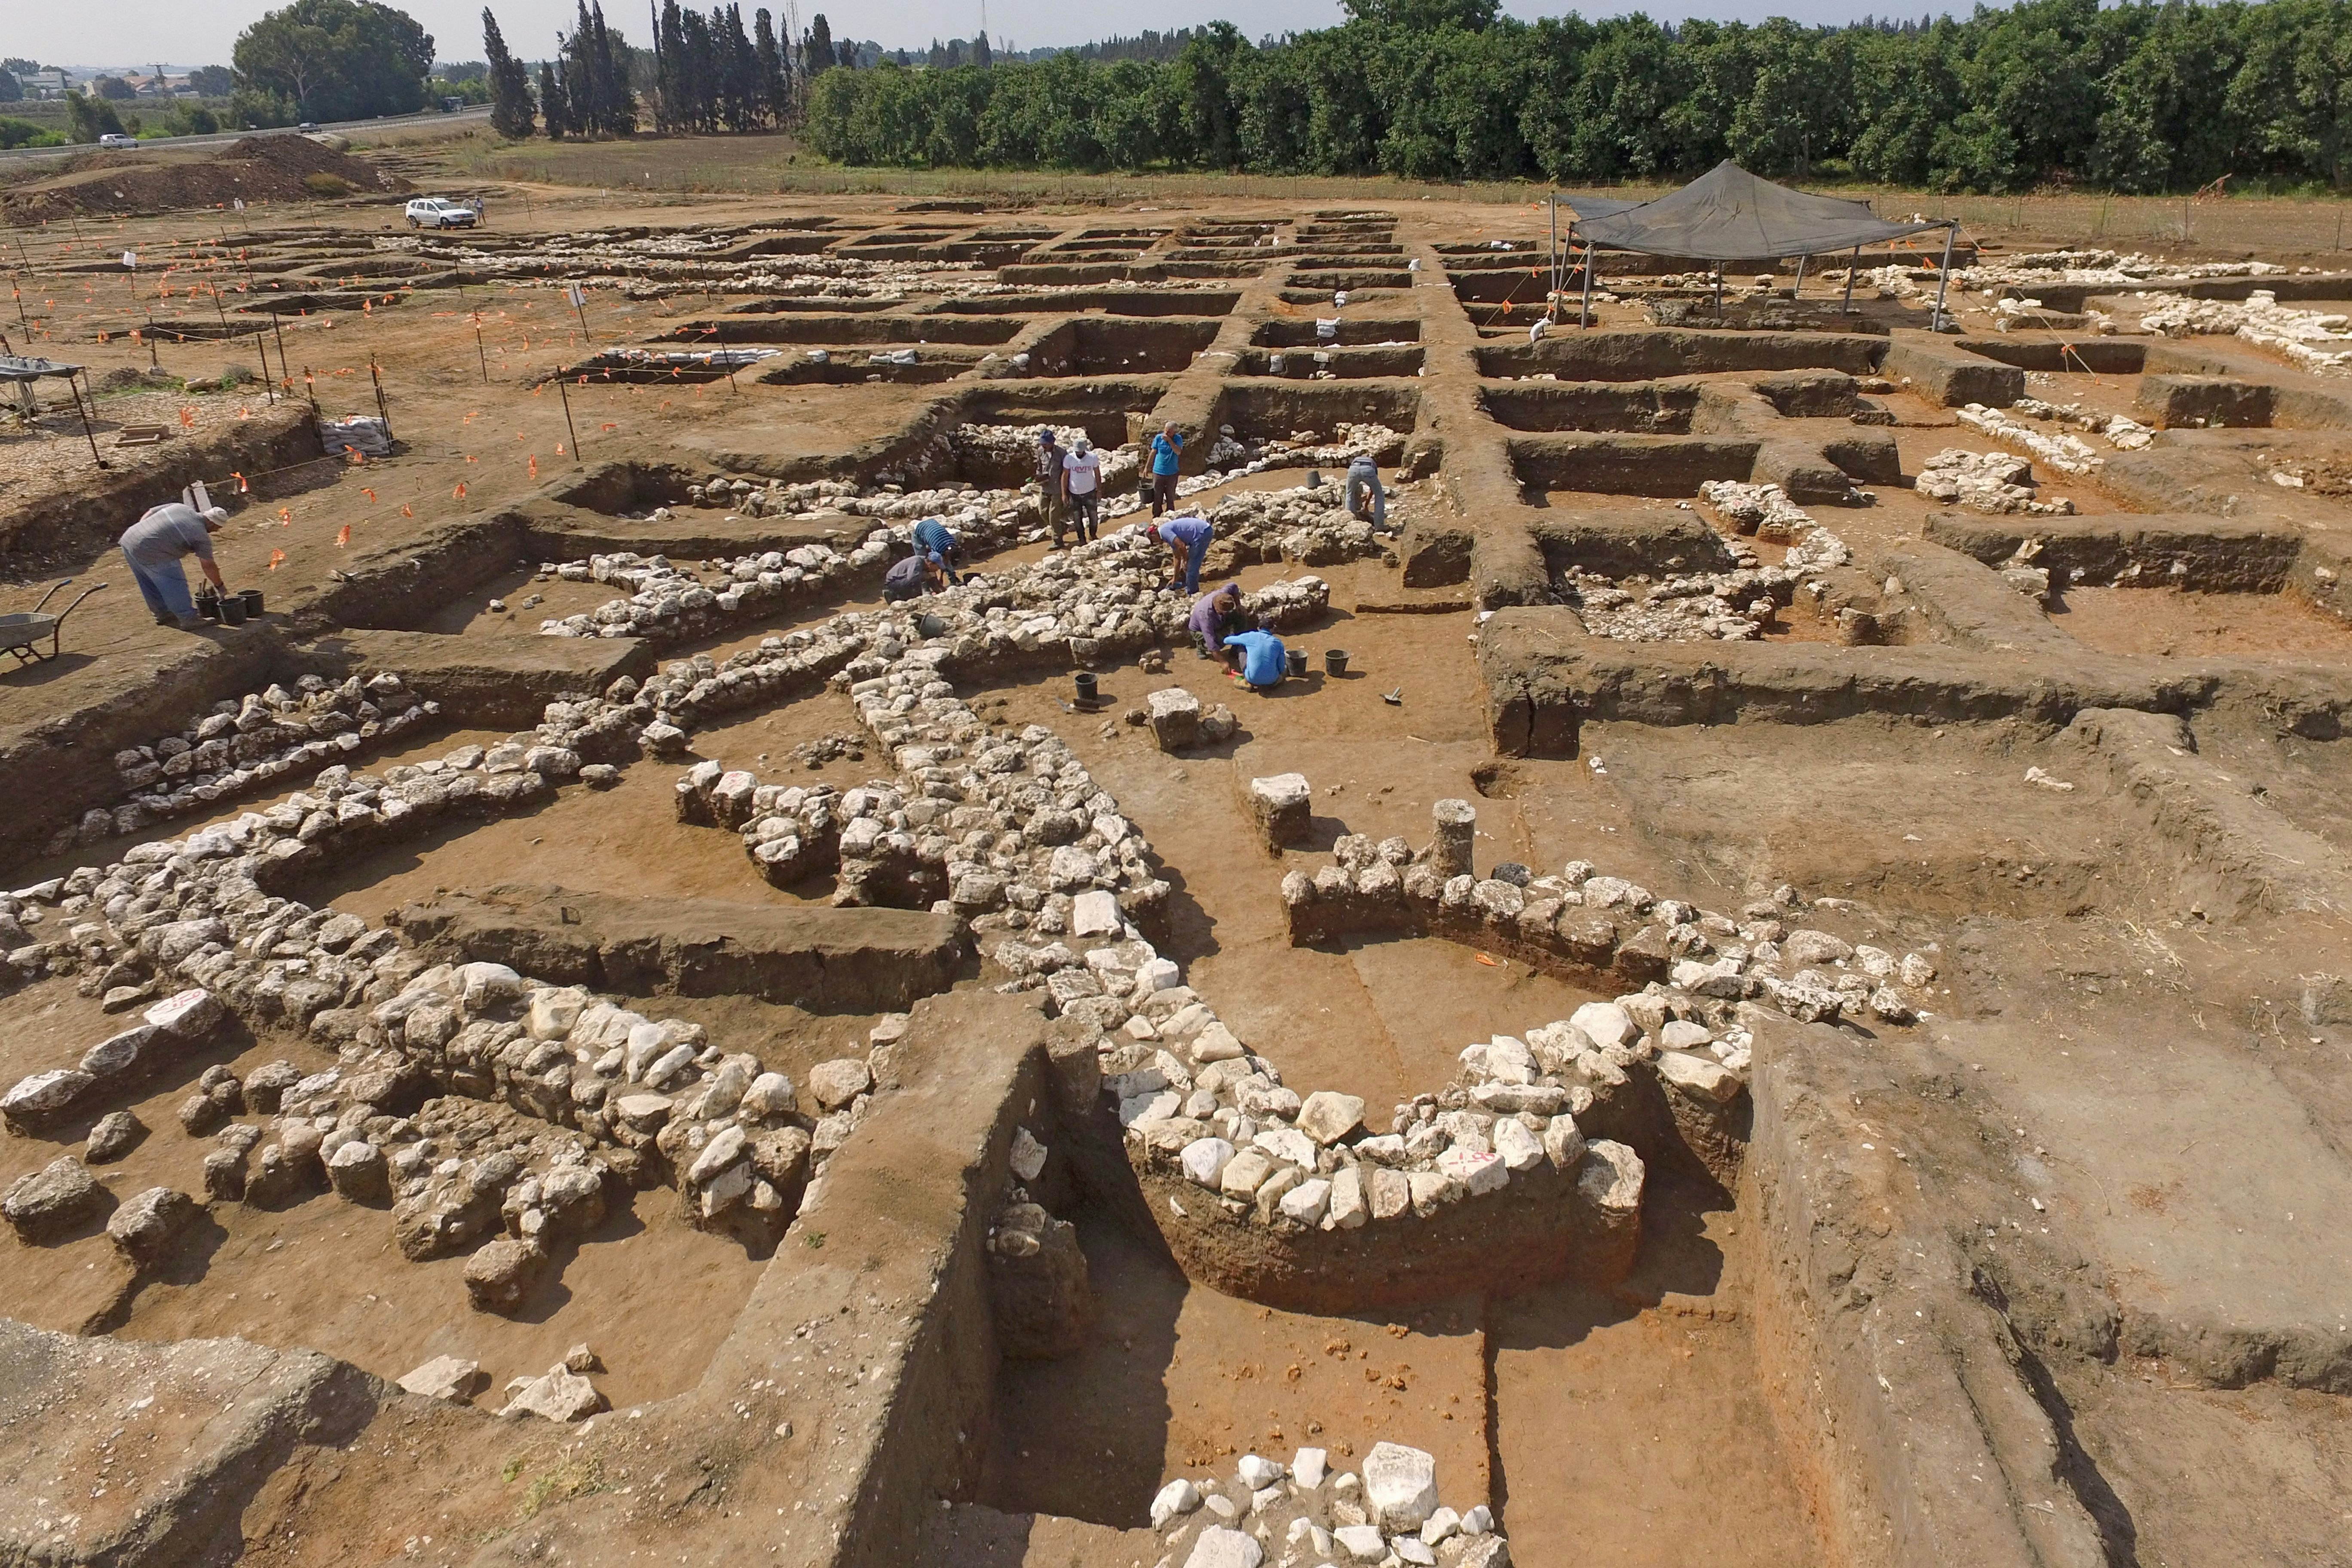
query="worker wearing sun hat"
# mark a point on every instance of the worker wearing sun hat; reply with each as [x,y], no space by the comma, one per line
[152,548]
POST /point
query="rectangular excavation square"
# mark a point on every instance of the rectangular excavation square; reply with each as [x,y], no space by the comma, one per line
[1099,345]
[1315,363]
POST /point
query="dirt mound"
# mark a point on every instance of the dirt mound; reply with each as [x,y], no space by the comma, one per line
[272,167]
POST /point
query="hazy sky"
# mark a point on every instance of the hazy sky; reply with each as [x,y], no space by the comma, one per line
[182,33]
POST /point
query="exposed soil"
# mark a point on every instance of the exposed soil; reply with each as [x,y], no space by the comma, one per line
[271,167]
[2169,623]
[1649,1396]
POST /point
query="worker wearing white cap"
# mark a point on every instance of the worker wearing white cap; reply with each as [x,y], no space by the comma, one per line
[152,548]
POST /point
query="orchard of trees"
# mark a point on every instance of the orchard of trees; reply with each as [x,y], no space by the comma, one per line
[2136,97]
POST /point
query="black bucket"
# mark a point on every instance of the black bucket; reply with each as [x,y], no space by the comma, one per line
[1335,661]
[232,610]
[208,605]
[252,597]
[1297,663]
[1086,686]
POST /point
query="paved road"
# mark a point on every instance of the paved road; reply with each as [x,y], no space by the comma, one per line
[477,113]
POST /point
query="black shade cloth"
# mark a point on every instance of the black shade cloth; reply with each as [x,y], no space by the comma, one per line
[1585,206]
[16,368]
[1729,215]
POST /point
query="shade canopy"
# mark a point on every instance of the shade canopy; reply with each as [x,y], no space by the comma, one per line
[13,368]
[1731,215]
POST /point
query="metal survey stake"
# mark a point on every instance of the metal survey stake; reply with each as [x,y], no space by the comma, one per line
[383,409]
[479,353]
[562,391]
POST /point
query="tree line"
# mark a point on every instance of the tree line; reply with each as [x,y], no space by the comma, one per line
[704,74]
[2147,96]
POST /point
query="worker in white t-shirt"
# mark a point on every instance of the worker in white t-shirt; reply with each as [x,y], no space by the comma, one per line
[1082,489]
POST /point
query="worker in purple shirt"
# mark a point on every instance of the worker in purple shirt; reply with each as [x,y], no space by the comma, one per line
[1215,617]
[1187,537]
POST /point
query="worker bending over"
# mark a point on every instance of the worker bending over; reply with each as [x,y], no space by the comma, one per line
[152,548]
[1365,496]
[933,538]
[1187,537]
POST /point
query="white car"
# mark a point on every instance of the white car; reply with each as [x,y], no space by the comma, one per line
[115,141]
[438,212]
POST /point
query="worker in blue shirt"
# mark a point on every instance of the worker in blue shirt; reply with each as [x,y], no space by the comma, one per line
[1187,537]
[1166,448]
[1261,657]
[933,538]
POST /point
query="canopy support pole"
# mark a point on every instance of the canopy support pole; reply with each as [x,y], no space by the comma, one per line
[88,433]
[1585,320]
[1800,288]
[1552,257]
[1943,278]
[1718,288]
[1851,268]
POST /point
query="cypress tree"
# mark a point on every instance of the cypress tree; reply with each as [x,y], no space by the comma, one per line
[553,106]
[775,90]
[511,113]
[816,50]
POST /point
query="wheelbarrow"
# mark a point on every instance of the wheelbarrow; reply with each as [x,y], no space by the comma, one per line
[21,634]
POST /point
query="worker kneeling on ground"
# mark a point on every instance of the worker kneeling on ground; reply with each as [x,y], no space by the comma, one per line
[1259,658]
[913,577]
[152,548]
[1215,617]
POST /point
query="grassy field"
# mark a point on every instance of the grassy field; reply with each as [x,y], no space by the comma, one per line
[775,164]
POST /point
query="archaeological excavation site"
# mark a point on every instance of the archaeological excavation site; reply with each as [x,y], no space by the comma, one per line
[1761,977]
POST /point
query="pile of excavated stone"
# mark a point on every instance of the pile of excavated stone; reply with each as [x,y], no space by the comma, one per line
[645,1100]
[2122,270]
[2261,320]
[1307,523]
[2067,454]
[1389,1514]
[1100,601]
[666,601]
[1700,606]
[243,743]
[657,266]
[1693,965]
[1737,606]
[2122,432]
[1998,482]
[1762,510]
